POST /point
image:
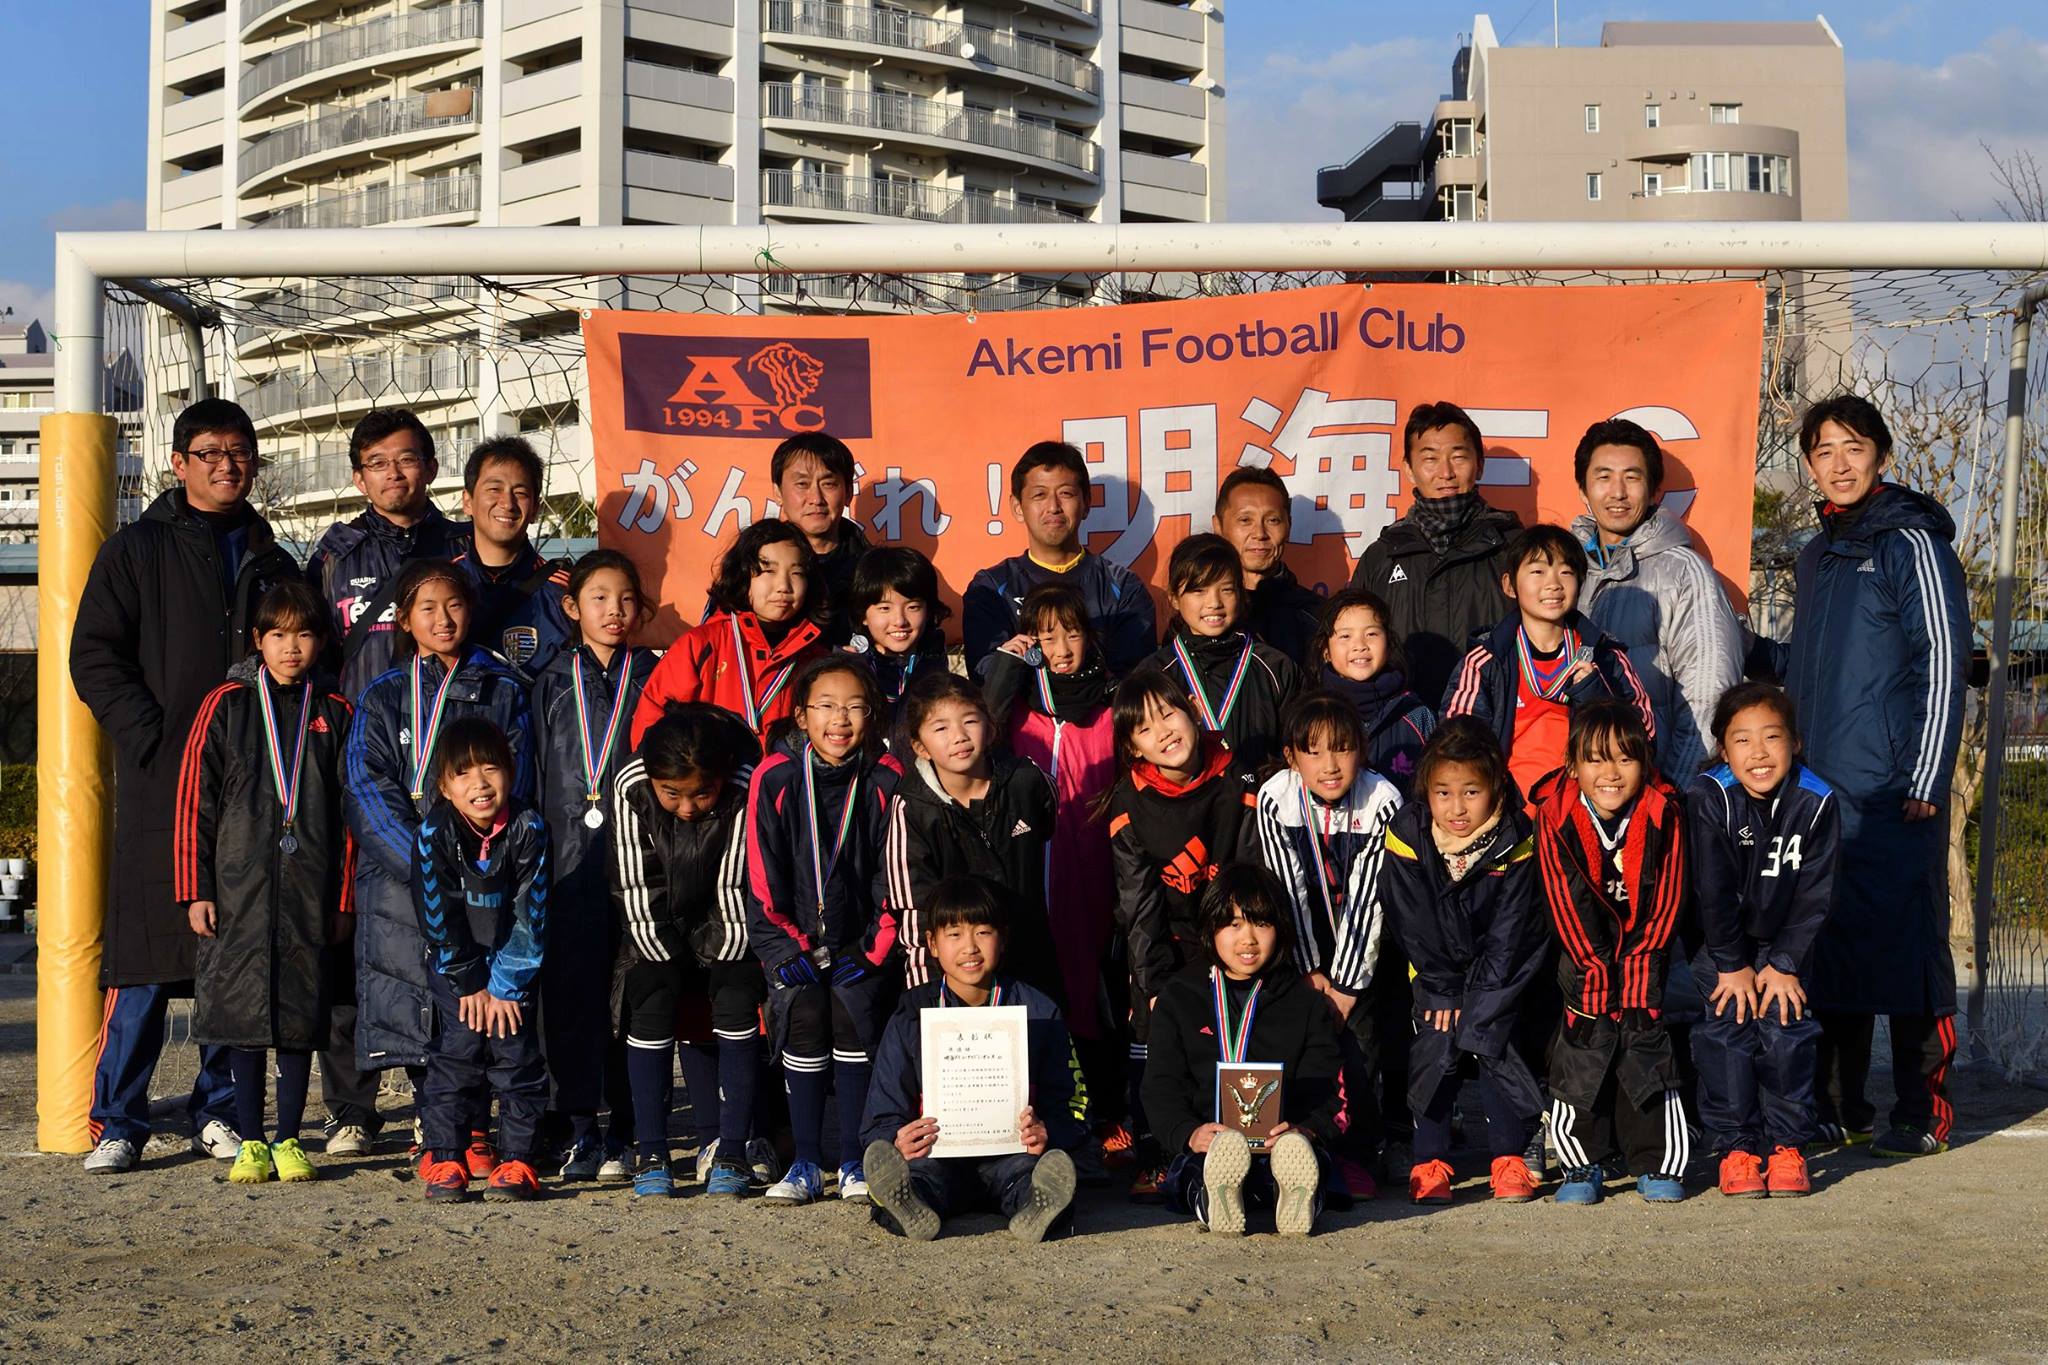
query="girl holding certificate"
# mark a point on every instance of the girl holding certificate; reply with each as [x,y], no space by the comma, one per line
[1225,1032]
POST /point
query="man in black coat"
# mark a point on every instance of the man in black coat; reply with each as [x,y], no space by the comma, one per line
[1435,566]
[1255,513]
[165,613]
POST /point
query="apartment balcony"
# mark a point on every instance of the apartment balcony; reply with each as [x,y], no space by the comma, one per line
[913,39]
[910,293]
[354,383]
[932,126]
[834,198]
[1166,187]
[1681,205]
[676,189]
[1074,11]
[1172,35]
[447,197]
[352,307]
[257,16]
[1678,141]
[365,133]
[1460,170]
[388,44]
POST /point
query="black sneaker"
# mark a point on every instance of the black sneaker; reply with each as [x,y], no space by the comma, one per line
[1536,1156]
[892,1194]
[1840,1135]
[1906,1140]
[1053,1181]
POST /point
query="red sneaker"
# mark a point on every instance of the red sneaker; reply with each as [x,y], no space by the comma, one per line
[1358,1181]
[1742,1176]
[1513,1181]
[444,1180]
[1429,1182]
[513,1180]
[425,1162]
[482,1157]
[1118,1146]
[1787,1174]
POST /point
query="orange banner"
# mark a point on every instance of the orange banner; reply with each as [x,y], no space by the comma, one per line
[1165,399]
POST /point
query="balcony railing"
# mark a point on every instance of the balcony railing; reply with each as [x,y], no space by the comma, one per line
[385,118]
[881,27]
[361,380]
[252,10]
[901,199]
[383,204]
[309,306]
[918,293]
[360,42]
[888,112]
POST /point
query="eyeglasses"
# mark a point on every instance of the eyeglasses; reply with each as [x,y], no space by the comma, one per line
[857,711]
[212,455]
[410,464]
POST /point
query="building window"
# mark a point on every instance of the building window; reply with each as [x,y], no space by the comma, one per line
[1459,204]
[1653,115]
[1653,184]
[1593,185]
[1592,118]
[1724,113]
[1455,137]
[1750,172]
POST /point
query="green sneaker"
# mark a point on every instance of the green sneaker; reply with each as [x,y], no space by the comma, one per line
[252,1163]
[291,1162]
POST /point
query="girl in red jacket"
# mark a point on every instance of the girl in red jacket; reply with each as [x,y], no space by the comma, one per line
[766,604]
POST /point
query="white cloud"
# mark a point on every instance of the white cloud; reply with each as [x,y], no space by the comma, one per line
[1914,130]
[1291,114]
[30,302]
[113,215]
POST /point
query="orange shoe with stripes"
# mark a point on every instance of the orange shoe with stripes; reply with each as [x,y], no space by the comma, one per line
[445,1181]
[1118,1146]
[513,1180]
[1786,1175]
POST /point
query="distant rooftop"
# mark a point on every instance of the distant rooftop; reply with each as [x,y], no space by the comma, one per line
[1804,33]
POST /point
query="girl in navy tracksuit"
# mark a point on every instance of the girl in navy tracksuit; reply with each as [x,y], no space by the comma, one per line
[1459,883]
[679,877]
[1765,832]
[1359,658]
[439,678]
[898,622]
[583,701]
[816,816]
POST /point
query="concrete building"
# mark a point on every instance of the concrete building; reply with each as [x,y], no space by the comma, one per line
[1662,122]
[27,383]
[268,115]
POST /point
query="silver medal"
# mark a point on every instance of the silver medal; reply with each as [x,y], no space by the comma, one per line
[289,843]
[593,818]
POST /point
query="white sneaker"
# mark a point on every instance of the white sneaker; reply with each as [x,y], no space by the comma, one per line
[350,1139]
[218,1141]
[706,1154]
[761,1161]
[585,1159]
[113,1156]
[616,1168]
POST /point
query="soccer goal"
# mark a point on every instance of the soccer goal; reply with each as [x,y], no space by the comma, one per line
[483,332]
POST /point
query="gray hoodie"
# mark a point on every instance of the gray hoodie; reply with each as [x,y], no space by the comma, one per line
[1655,594]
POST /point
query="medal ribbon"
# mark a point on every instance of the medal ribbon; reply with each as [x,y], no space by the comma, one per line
[995,995]
[1319,854]
[287,785]
[1045,692]
[423,735]
[821,868]
[1214,718]
[1233,1040]
[1550,683]
[595,759]
[755,710]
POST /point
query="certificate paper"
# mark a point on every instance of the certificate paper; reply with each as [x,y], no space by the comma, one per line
[977,1077]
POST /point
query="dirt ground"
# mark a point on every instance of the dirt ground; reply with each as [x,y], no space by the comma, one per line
[1936,1259]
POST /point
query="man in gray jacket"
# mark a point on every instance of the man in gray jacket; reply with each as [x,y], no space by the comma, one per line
[1649,588]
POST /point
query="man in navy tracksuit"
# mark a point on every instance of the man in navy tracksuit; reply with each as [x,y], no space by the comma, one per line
[1876,665]
[1764,831]
[519,593]
[1049,495]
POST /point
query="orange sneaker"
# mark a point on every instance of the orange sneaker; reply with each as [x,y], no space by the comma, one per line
[1513,1181]
[512,1180]
[426,1162]
[445,1180]
[1742,1176]
[1429,1182]
[1117,1146]
[482,1157]
[1787,1174]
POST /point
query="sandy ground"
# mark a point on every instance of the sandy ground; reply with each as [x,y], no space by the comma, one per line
[1936,1259]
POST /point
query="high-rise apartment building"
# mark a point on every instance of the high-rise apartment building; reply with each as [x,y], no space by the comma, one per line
[269,115]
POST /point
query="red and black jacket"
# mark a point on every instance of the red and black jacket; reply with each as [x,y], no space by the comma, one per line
[1614,910]
[703,665]
[1168,841]
[791,914]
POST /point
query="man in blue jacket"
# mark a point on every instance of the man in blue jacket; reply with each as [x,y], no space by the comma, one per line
[1876,666]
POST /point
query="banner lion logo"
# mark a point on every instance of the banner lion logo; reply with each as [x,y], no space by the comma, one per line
[791,373]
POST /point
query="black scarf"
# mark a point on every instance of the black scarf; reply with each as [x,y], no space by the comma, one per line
[1369,698]
[1075,696]
[1441,519]
[1839,522]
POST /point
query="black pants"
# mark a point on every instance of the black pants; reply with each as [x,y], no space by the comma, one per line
[1923,1050]
[1651,1138]
[1375,1040]
[963,1184]
[663,1001]
[1507,1127]
[349,1092]
[461,1062]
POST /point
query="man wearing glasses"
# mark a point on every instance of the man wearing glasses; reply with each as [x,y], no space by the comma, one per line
[165,613]
[355,568]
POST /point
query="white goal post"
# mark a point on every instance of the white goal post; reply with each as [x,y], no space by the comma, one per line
[79,444]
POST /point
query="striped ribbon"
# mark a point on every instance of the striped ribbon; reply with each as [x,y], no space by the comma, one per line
[755,710]
[1548,685]
[1214,718]
[1233,1039]
[1319,853]
[425,728]
[595,760]
[287,785]
[821,868]
[995,994]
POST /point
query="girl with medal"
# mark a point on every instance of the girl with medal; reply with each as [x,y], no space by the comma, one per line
[1244,1001]
[437,677]
[1048,689]
[260,862]
[1239,686]
[1359,658]
[581,701]
[766,604]
[898,619]
[1182,808]
[827,941]
[1321,822]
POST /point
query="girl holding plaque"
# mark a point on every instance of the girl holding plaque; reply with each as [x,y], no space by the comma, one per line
[581,701]
[439,677]
[260,862]
[1241,1079]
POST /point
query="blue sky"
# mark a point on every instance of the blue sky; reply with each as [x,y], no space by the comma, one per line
[1307,82]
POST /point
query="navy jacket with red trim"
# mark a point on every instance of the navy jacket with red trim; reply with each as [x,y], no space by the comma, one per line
[519,606]
[1486,682]
[1763,871]
[1614,914]
[790,915]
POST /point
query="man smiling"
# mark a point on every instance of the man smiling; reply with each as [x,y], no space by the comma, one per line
[813,476]
[519,594]
[1255,514]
